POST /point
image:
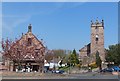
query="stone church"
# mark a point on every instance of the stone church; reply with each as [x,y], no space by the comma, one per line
[97,41]
[30,53]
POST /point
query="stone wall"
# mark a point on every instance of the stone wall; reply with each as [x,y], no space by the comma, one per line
[97,39]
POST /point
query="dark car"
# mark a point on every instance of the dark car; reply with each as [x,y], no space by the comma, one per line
[58,71]
[53,71]
[107,70]
[61,71]
[116,68]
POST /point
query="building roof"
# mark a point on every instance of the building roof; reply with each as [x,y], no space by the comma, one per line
[85,47]
[29,43]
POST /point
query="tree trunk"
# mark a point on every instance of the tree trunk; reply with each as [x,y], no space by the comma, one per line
[100,68]
[42,68]
[13,66]
[19,65]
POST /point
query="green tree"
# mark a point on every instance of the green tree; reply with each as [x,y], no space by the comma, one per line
[98,60]
[113,54]
[74,58]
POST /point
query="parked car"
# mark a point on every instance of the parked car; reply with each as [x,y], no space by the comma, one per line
[58,71]
[53,71]
[116,68]
[61,71]
[107,70]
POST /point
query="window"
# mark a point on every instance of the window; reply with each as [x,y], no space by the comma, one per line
[29,41]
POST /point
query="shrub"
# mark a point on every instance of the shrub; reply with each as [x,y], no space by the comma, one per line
[64,68]
[93,65]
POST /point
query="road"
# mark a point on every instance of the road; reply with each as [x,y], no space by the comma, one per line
[89,75]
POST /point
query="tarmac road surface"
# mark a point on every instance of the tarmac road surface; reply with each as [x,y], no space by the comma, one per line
[90,75]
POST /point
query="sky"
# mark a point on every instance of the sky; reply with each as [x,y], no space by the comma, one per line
[61,25]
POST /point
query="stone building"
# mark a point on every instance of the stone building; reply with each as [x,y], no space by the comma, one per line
[85,51]
[30,53]
[97,41]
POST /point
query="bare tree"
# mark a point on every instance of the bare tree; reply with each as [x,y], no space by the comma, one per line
[49,55]
[13,51]
[20,52]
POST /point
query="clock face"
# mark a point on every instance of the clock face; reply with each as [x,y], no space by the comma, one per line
[96,36]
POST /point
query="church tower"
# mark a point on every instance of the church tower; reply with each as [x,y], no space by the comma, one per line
[97,39]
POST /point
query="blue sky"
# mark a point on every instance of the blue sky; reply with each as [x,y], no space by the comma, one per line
[62,25]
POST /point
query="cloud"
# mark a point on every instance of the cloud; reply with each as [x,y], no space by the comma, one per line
[9,22]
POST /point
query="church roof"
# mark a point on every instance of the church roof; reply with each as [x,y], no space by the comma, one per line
[85,47]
